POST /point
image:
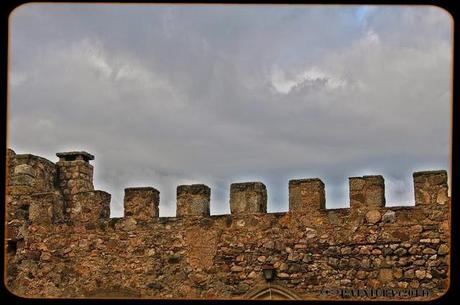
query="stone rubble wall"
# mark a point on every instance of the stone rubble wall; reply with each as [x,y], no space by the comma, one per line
[28,177]
[69,247]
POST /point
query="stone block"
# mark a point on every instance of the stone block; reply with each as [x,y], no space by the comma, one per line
[141,203]
[89,207]
[367,191]
[306,195]
[430,187]
[248,197]
[193,200]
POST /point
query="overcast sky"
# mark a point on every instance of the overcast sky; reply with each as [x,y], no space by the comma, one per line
[165,95]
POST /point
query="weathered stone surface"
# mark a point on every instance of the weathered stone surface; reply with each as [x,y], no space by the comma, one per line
[141,203]
[389,216]
[193,200]
[41,212]
[236,269]
[283,267]
[346,251]
[30,174]
[89,207]
[400,251]
[430,187]
[252,275]
[283,275]
[373,216]
[306,195]
[24,169]
[429,251]
[420,274]
[397,273]
[201,246]
[443,249]
[410,273]
[364,251]
[46,208]
[366,192]
[361,275]
[248,197]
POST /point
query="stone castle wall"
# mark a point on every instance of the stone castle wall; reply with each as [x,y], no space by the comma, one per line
[62,243]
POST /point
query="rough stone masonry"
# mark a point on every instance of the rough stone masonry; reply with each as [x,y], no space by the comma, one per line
[62,243]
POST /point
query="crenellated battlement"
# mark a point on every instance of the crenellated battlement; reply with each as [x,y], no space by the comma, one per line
[55,216]
[72,176]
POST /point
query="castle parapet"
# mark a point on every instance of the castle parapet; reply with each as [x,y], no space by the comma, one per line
[89,207]
[193,200]
[248,197]
[430,187]
[66,247]
[75,173]
[367,192]
[306,195]
[141,203]
[30,174]
[46,208]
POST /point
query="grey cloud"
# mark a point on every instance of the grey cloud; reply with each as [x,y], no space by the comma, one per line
[164,95]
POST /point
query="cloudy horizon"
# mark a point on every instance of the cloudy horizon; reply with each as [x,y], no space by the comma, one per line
[165,95]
